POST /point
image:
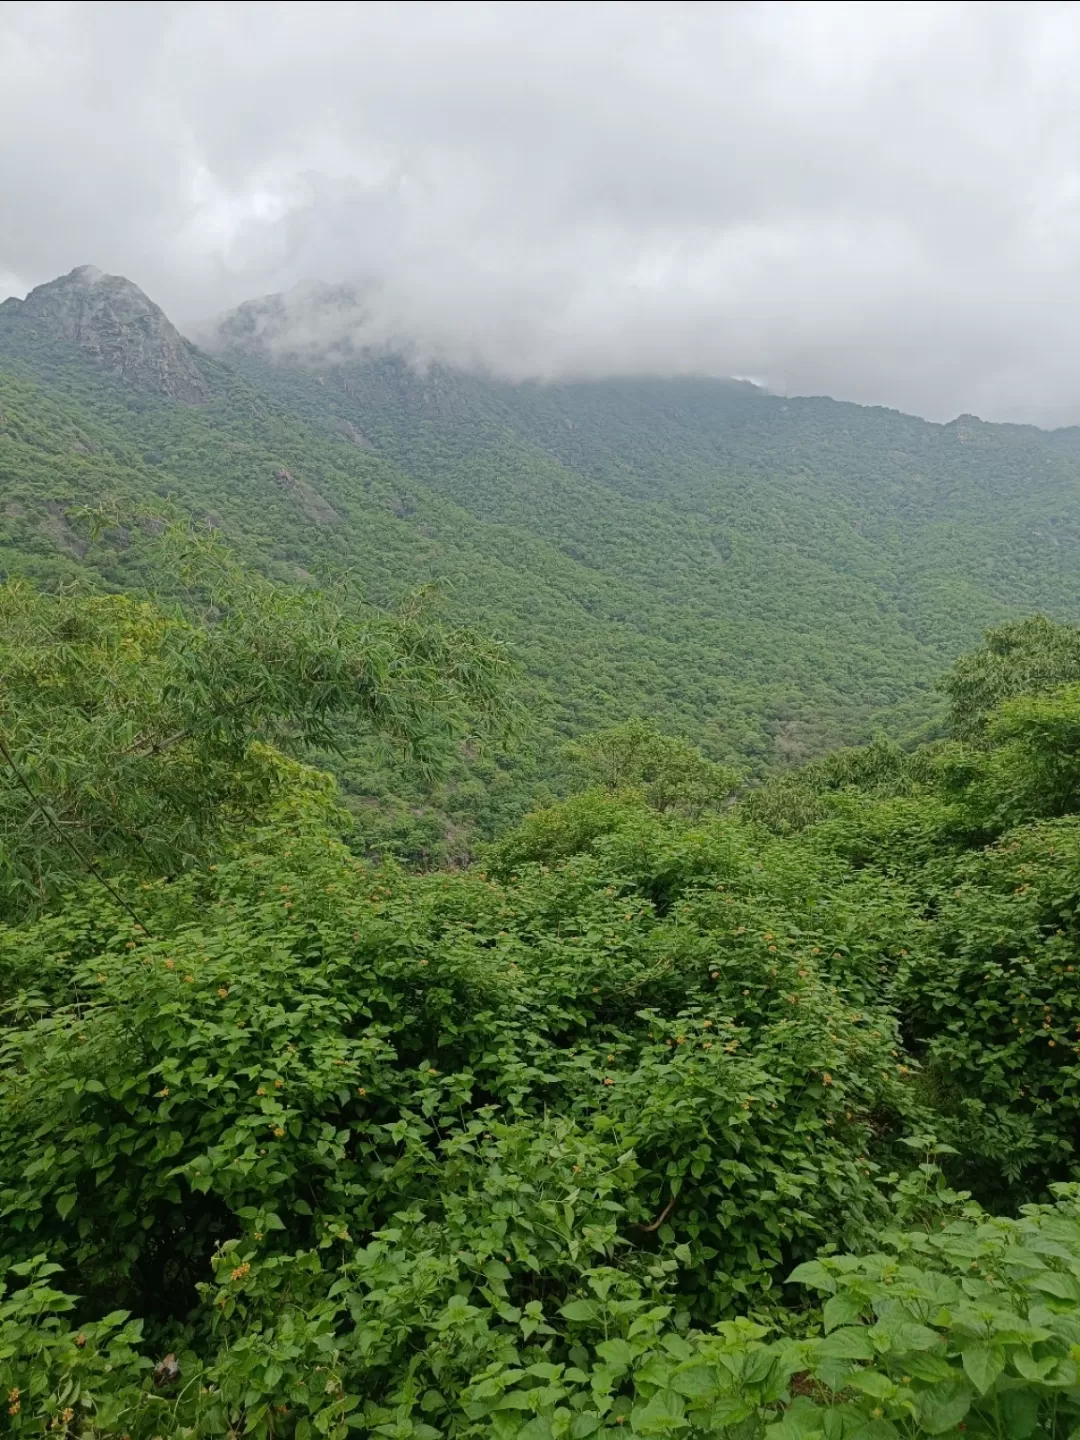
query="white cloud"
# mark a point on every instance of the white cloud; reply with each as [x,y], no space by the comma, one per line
[879,201]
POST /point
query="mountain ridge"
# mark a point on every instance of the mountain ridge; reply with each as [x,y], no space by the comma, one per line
[771,576]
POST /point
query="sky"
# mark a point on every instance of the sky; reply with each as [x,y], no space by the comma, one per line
[877,202]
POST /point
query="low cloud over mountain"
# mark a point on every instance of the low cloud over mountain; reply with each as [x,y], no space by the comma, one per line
[881,202]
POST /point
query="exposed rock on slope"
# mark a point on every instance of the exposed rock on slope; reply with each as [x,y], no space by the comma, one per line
[117,327]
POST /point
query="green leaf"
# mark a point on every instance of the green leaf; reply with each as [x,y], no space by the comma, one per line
[1032,1369]
[515,1400]
[697,1383]
[616,1353]
[842,1309]
[803,1420]
[584,1424]
[1019,1411]
[905,1336]
[814,1274]
[1051,1282]
[943,1406]
[983,1364]
[871,1382]
[661,1416]
[851,1343]
[580,1310]
[538,1428]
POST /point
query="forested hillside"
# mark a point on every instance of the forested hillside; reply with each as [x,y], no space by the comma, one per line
[768,577]
[462,1017]
[670,1117]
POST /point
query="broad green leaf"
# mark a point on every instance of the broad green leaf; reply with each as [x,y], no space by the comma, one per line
[943,1406]
[983,1364]
[584,1424]
[813,1274]
[842,1309]
[699,1382]
[850,1343]
[1019,1411]
[617,1353]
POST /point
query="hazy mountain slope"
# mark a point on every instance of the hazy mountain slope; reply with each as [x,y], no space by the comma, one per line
[771,576]
[822,551]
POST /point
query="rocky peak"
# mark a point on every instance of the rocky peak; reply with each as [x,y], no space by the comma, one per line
[117,327]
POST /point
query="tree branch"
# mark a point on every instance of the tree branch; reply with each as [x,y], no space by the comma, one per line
[660,1218]
[156,747]
[54,824]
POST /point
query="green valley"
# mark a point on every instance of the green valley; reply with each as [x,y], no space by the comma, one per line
[769,577]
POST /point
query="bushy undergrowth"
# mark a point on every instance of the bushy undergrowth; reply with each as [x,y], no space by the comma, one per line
[655,1122]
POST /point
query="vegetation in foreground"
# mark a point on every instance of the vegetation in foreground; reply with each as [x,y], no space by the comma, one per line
[676,1115]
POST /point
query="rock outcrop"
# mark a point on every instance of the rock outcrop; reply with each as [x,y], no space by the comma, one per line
[116,326]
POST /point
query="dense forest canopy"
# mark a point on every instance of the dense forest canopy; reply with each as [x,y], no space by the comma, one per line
[702,1095]
[767,578]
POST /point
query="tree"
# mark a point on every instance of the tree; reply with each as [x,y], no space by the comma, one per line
[672,773]
[132,737]
[1022,657]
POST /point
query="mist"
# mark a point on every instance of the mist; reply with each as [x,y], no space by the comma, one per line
[877,202]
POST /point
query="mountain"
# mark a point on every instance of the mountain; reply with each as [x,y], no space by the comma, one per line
[770,576]
[312,323]
[801,549]
[115,326]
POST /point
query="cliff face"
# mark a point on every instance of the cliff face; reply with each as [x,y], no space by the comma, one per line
[118,327]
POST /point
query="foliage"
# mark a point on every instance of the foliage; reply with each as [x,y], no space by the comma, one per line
[769,577]
[670,772]
[1023,657]
[136,738]
[296,1141]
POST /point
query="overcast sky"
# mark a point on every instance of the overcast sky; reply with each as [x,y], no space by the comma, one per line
[879,203]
